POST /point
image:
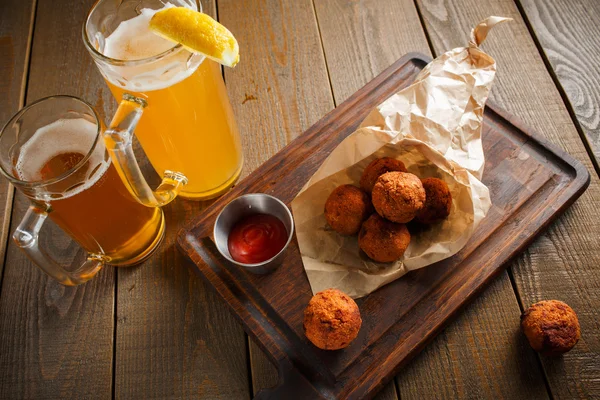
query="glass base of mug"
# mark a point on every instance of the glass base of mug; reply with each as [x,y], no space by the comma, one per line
[216,192]
[148,251]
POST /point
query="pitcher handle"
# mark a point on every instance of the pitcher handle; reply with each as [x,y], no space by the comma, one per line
[27,238]
[119,139]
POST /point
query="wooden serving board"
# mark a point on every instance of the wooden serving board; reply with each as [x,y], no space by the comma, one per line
[531,182]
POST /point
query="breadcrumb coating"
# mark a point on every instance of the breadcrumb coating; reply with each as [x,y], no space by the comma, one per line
[398,196]
[346,208]
[438,201]
[376,168]
[331,320]
[551,327]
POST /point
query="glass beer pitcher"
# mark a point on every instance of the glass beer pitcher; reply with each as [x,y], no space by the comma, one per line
[186,124]
[54,153]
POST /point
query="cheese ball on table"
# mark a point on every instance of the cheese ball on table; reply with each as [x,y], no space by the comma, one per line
[376,168]
[551,327]
[331,320]
[398,196]
[383,240]
[346,208]
[438,201]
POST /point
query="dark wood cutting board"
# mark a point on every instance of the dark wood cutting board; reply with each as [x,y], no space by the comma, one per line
[531,183]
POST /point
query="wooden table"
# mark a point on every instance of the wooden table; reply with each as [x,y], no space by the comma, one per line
[157,331]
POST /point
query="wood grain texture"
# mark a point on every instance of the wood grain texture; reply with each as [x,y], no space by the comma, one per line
[494,349]
[563,263]
[55,342]
[530,182]
[568,32]
[264,375]
[16,26]
[361,39]
[279,88]
[174,338]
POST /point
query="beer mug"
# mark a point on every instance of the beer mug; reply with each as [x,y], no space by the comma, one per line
[178,99]
[53,152]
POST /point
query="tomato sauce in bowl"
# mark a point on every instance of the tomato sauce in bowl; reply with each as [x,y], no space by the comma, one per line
[256,238]
[253,231]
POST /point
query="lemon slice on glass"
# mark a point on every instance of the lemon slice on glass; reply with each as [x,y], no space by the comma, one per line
[197,32]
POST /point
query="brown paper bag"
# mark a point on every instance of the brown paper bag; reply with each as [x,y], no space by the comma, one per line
[434,127]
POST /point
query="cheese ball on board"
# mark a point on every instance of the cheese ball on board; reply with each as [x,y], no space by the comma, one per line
[438,201]
[383,240]
[376,168]
[346,208]
[398,196]
[331,320]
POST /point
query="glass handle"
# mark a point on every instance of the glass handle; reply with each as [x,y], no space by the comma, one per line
[119,139]
[27,238]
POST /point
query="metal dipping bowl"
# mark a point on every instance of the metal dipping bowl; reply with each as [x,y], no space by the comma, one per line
[248,204]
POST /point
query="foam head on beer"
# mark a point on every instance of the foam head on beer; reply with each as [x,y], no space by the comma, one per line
[56,148]
[133,40]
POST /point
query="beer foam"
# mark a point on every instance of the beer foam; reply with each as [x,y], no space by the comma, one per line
[133,40]
[62,136]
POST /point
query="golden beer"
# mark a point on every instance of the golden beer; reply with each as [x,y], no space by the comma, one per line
[189,128]
[91,204]
[188,124]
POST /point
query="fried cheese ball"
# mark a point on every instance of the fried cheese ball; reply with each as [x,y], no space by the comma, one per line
[551,327]
[438,201]
[383,240]
[376,168]
[346,208]
[331,320]
[398,196]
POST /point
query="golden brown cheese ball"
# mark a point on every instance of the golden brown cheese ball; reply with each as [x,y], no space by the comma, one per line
[438,201]
[398,196]
[346,208]
[383,240]
[376,168]
[331,320]
[551,327]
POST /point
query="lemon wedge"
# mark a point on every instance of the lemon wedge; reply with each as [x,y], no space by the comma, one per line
[197,32]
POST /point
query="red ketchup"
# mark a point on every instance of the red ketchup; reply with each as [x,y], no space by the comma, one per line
[256,238]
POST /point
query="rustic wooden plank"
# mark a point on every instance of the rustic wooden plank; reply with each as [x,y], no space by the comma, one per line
[280,87]
[568,32]
[360,40]
[55,342]
[16,27]
[563,263]
[278,90]
[264,375]
[174,338]
[481,335]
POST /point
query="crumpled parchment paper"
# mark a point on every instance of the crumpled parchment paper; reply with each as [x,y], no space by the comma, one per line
[434,127]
